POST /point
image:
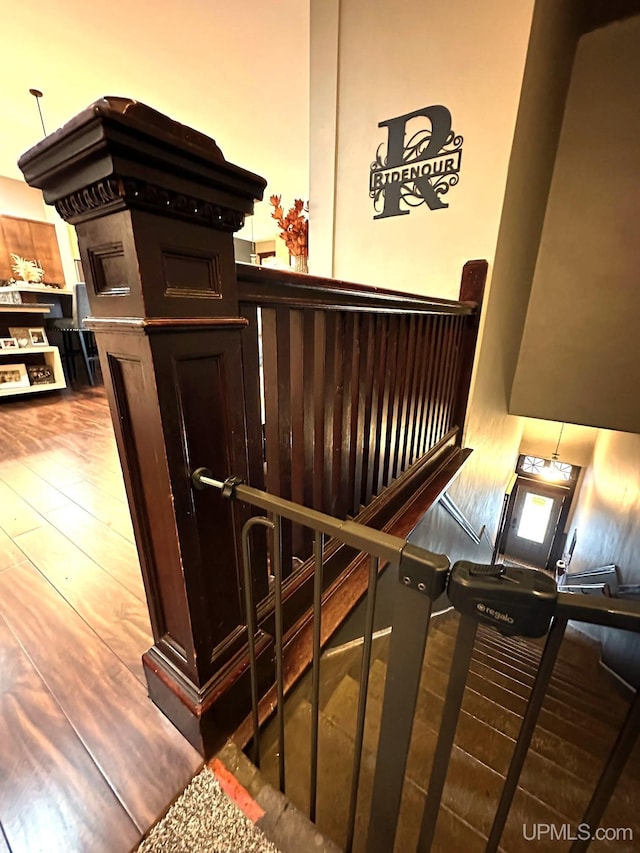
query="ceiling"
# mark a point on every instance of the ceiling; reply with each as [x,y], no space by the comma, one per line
[236,71]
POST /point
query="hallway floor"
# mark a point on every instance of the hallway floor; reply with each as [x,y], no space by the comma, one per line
[87,762]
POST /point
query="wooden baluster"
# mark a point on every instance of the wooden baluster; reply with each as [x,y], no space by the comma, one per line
[277,401]
[422,356]
[434,389]
[445,365]
[386,419]
[365,391]
[338,502]
[329,403]
[427,385]
[350,447]
[410,394]
[302,541]
[406,350]
[308,392]
[271,407]
[319,348]
[373,465]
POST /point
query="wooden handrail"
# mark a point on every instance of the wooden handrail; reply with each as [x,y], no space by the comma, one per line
[264,286]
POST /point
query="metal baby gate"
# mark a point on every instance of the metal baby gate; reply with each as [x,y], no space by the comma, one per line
[515,601]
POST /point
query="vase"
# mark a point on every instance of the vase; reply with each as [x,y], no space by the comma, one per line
[301,264]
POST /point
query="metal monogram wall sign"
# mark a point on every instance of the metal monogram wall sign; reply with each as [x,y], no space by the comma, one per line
[419,169]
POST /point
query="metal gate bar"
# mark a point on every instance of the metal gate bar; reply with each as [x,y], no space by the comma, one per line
[451,711]
[318,573]
[279,646]
[252,629]
[612,771]
[536,698]
[404,669]
[374,567]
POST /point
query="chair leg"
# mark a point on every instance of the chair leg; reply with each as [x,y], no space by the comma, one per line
[85,357]
[68,355]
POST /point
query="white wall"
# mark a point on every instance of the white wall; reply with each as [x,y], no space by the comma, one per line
[238,72]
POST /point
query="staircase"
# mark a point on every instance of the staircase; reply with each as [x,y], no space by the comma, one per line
[577,727]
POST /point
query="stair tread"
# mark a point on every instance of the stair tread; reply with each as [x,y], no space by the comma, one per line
[503,689]
[576,729]
[542,778]
[575,649]
[566,675]
[595,704]
[335,762]
[600,682]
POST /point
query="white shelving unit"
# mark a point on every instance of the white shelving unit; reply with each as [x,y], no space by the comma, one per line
[22,314]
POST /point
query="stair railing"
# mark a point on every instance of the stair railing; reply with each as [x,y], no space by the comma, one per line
[515,601]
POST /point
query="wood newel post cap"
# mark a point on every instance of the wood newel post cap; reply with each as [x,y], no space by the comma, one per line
[119,153]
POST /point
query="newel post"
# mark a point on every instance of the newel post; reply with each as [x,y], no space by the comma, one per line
[155,205]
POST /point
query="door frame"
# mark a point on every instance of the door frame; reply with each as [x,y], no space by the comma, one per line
[566,489]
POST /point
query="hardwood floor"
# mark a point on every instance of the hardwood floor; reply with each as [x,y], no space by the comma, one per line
[87,762]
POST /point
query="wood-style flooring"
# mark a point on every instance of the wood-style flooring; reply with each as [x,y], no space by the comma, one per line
[87,762]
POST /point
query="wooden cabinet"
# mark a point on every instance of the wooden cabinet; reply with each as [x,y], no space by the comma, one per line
[31,240]
[45,245]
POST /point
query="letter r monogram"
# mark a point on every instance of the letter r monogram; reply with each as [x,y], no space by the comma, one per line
[440,119]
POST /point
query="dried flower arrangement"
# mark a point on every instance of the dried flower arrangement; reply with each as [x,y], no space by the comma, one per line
[26,270]
[294,228]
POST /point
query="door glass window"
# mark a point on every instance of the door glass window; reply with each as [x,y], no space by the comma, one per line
[535,517]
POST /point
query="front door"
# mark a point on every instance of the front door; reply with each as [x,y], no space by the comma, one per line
[533,524]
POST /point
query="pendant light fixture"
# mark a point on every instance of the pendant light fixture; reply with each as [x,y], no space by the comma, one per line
[37,94]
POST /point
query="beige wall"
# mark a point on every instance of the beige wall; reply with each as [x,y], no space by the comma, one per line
[19,199]
[607,515]
[607,521]
[580,358]
[392,60]
[540,438]
[238,72]
[494,434]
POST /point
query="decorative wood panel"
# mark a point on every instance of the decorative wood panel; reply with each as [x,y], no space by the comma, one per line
[47,251]
[34,241]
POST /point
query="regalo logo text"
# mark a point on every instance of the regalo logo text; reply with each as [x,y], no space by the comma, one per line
[422,162]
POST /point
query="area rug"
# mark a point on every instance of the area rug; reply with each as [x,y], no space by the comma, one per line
[205,820]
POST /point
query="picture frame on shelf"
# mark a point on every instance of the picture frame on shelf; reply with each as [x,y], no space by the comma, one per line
[9,343]
[38,337]
[40,374]
[21,334]
[13,376]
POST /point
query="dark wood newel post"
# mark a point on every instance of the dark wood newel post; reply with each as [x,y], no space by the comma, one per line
[155,205]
